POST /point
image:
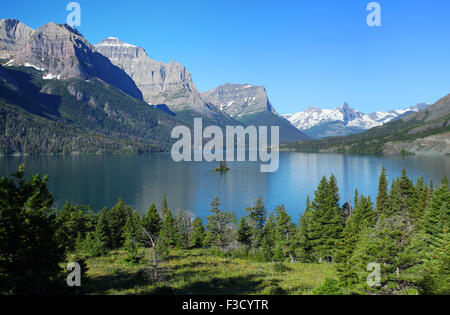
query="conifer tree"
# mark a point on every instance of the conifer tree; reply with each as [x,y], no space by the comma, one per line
[220,226]
[197,236]
[151,221]
[184,225]
[268,241]
[303,251]
[285,231]
[132,234]
[244,233]
[164,207]
[102,230]
[434,219]
[168,233]
[73,222]
[117,218]
[406,198]
[257,219]
[326,222]
[437,259]
[334,191]
[363,218]
[30,254]
[382,196]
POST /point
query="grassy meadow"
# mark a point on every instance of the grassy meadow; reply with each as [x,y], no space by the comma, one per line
[202,272]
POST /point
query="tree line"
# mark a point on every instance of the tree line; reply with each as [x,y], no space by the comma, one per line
[405,232]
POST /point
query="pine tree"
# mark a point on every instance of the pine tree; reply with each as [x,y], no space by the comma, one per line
[303,251]
[326,224]
[386,243]
[257,219]
[285,231]
[117,218]
[382,196]
[407,197]
[437,259]
[268,241]
[197,236]
[73,221]
[434,220]
[102,229]
[334,191]
[220,226]
[184,224]
[423,195]
[363,218]
[132,233]
[168,233]
[164,207]
[151,221]
[244,233]
[30,254]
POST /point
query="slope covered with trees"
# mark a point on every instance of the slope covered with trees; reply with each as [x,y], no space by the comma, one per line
[74,116]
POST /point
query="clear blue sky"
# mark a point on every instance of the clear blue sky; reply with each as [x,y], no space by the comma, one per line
[305,52]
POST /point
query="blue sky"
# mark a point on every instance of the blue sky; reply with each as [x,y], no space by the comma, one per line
[305,52]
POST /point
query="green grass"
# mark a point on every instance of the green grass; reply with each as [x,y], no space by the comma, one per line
[203,273]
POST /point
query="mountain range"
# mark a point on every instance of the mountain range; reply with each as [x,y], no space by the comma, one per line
[61,94]
[344,120]
[426,132]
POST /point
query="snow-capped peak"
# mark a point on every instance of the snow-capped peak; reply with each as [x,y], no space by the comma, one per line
[347,117]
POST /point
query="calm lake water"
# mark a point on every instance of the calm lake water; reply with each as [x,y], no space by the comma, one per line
[100,180]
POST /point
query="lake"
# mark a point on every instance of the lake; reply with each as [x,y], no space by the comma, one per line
[100,180]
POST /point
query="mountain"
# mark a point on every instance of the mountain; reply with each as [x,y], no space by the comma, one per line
[426,132]
[59,95]
[250,105]
[322,123]
[238,100]
[13,36]
[39,116]
[61,52]
[160,83]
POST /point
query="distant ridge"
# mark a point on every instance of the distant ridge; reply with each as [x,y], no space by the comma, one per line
[344,120]
[426,132]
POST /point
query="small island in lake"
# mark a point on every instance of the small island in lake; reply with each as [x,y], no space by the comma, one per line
[222,167]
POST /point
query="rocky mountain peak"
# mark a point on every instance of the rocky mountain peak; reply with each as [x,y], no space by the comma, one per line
[13,36]
[59,30]
[348,113]
[239,99]
[60,51]
[160,83]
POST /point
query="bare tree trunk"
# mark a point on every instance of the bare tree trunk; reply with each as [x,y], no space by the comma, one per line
[152,241]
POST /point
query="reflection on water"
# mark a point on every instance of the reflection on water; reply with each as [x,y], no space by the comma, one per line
[100,180]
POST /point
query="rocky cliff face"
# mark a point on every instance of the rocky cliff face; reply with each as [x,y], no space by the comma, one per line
[13,36]
[160,83]
[61,52]
[238,100]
